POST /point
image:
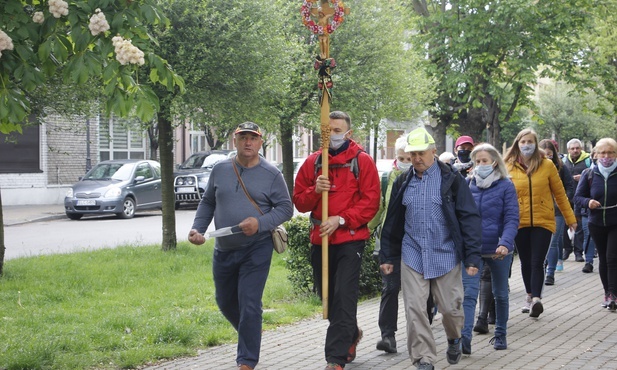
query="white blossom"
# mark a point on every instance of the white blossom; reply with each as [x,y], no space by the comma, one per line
[98,23]
[5,42]
[126,52]
[58,8]
[38,17]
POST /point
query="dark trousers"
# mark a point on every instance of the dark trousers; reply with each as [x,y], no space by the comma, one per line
[576,245]
[388,306]
[345,261]
[532,244]
[605,239]
[240,278]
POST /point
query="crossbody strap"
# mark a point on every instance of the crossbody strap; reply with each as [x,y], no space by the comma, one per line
[233,162]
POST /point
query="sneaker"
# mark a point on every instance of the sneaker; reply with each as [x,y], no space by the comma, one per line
[387,344]
[424,366]
[588,268]
[559,267]
[481,326]
[607,300]
[499,343]
[536,308]
[333,366]
[527,306]
[454,352]
[580,259]
[549,280]
[612,305]
[351,353]
[466,345]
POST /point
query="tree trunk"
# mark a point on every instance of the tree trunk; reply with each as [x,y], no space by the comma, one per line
[2,246]
[167,182]
[288,153]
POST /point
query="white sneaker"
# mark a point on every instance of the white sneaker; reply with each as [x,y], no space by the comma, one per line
[527,306]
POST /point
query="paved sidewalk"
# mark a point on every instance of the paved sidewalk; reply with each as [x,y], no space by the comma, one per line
[16,215]
[574,332]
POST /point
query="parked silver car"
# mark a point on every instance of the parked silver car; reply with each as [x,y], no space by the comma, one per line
[119,187]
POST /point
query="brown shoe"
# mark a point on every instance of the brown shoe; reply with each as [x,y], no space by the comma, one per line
[333,366]
[351,354]
[244,367]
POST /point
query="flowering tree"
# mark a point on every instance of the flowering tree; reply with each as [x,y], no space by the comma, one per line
[105,43]
[87,42]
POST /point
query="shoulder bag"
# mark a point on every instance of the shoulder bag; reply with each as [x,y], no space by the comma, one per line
[279,234]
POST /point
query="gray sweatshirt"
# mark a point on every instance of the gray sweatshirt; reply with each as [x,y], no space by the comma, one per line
[226,202]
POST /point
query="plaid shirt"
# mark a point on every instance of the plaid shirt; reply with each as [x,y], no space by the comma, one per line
[427,246]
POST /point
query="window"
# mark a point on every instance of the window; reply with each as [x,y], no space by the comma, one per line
[121,139]
[20,153]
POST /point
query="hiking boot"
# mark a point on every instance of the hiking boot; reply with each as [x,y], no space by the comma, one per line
[527,306]
[387,344]
[351,353]
[559,267]
[466,345]
[536,308]
[244,367]
[499,343]
[454,352]
[588,268]
[333,366]
[549,280]
[481,326]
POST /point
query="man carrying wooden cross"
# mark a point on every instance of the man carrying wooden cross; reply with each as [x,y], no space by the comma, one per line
[352,185]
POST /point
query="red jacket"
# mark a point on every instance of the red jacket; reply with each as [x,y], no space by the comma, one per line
[356,200]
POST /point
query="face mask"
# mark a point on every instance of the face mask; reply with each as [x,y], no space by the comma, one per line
[464,155]
[527,150]
[606,161]
[484,170]
[336,141]
[403,166]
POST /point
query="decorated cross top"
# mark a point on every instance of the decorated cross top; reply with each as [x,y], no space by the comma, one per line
[323,17]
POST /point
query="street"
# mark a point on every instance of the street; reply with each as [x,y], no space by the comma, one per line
[64,235]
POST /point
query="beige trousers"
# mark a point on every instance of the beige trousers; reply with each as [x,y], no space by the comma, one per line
[447,292]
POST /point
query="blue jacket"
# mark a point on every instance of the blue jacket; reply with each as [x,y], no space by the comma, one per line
[498,205]
[601,189]
[459,209]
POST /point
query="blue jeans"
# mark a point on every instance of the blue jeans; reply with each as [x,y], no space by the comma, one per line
[471,286]
[555,250]
[240,278]
[589,247]
[500,273]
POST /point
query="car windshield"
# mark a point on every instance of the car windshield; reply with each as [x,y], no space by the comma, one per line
[194,161]
[213,159]
[111,171]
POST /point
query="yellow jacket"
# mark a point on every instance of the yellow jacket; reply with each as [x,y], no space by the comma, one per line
[535,196]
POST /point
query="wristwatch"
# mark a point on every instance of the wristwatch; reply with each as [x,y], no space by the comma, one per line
[341,221]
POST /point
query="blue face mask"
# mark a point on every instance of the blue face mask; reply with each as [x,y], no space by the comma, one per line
[527,150]
[483,170]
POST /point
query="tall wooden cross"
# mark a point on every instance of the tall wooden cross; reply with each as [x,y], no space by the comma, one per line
[325,14]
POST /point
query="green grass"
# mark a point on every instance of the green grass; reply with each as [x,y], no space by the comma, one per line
[123,307]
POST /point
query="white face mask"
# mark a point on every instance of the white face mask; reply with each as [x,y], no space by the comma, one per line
[403,166]
[527,150]
[336,141]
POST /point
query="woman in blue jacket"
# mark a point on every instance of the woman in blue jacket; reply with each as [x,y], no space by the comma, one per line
[497,202]
[598,192]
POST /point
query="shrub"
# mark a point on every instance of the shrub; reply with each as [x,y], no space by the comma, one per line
[299,260]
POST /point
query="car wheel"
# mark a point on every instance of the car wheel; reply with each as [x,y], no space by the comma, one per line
[74,216]
[128,208]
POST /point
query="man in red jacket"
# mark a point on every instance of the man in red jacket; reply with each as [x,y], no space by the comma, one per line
[353,189]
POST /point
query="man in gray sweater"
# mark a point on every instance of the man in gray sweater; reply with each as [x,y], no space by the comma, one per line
[241,261]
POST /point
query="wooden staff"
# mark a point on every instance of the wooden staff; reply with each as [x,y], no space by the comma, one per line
[328,19]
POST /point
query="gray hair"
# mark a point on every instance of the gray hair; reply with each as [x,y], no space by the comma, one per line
[495,156]
[401,143]
[574,141]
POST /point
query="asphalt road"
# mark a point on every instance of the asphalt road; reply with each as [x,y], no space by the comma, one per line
[65,236]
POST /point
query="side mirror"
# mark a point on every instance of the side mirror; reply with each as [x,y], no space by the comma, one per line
[139,179]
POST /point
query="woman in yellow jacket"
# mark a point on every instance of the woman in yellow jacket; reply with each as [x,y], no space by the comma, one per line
[537,182]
